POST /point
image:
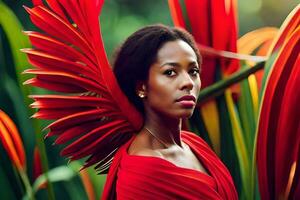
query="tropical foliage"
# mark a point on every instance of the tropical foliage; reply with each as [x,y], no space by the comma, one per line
[240,114]
[247,108]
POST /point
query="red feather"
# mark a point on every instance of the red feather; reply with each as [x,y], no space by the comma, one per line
[93,114]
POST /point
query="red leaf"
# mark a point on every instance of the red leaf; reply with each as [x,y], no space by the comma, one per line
[37,167]
[288,140]
[176,13]
[204,18]
[288,27]
[11,141]
[271,118]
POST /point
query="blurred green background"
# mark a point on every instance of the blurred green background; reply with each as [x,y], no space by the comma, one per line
[119,19]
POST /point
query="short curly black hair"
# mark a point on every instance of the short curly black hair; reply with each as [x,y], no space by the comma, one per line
[139,51]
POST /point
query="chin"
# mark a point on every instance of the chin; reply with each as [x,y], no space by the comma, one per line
[185,114]
[177,113]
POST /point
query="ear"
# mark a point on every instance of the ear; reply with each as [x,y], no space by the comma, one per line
[141,89]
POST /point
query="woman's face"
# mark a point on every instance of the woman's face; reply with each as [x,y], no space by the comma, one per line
[174,83]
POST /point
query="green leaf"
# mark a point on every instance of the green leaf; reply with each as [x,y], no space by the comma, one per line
[9,182]
[61,173]
[239,142]
[13,30]
[228,150]
[16,99]
[269,63]
[247,115]
[218,88]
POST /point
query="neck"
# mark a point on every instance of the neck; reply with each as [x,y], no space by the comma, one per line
[163,130]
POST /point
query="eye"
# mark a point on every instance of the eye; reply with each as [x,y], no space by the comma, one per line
[194,71]
[170,72]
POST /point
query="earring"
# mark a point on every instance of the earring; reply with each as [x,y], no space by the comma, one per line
[141,94]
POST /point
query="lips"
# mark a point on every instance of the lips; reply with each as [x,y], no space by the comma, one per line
[187,101]
[187,98]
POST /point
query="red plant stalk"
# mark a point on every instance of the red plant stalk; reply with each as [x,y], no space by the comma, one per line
[204,23]
[12,142]
[88,185]
[278,139]
[37,167]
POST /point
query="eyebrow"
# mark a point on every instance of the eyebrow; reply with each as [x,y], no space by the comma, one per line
[175,64]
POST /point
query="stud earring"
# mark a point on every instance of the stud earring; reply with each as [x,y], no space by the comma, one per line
[141,94]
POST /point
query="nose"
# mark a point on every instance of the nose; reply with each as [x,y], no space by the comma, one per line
[187,83]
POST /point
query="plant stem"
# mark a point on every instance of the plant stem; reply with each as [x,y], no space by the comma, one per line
[28,188]
[44,159]
[218,88]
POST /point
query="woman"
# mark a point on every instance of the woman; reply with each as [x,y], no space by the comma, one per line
[158,68]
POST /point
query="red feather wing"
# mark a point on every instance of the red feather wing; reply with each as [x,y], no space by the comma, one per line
[91,113]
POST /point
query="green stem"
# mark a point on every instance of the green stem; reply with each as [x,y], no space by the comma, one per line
[28,188]
[10,24]
[44,160]
[218,88]
[254,169]
[19,181]
[253,176]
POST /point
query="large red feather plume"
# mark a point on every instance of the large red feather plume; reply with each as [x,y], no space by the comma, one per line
[91,113]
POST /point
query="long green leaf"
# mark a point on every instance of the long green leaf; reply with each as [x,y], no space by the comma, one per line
[239,142]
[9,181]
[218,88]
[228,149]
[247,114]
[12,27]
[13,30]
[64,173]
[61,173]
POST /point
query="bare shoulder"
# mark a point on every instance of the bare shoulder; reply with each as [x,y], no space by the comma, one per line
[140,148]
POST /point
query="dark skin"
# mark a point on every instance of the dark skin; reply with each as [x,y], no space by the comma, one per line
[174,75]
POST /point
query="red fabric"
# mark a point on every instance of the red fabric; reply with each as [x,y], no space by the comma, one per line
[145,177]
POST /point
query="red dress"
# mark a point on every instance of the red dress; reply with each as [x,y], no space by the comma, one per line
[146,177]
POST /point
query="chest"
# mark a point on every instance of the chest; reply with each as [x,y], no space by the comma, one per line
[185,159]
